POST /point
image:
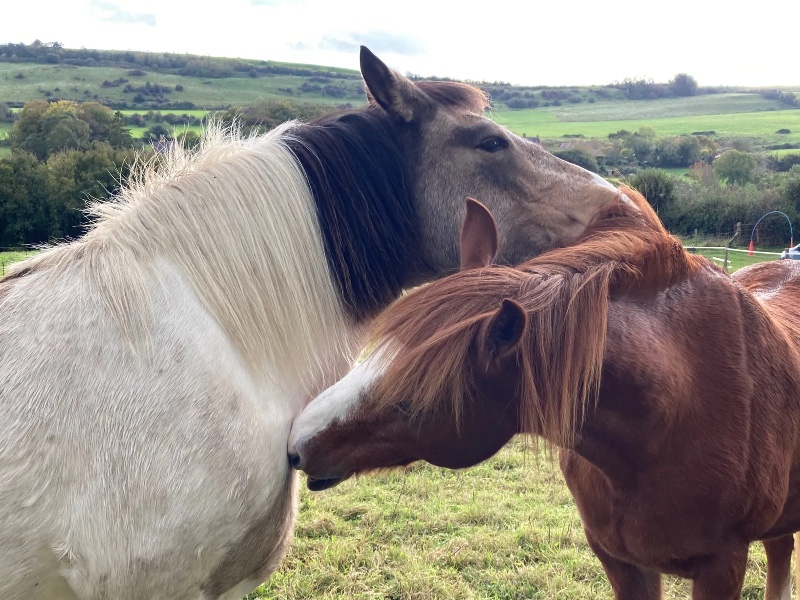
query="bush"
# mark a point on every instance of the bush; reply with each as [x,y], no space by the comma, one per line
[715,210]
[656,186]
[579,157]
[735,167]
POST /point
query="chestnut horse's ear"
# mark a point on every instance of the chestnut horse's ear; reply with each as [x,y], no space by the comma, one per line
[478,236]
[396,94]
[503,333]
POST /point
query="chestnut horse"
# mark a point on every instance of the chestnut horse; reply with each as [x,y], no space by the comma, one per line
[151,370]
[670,388]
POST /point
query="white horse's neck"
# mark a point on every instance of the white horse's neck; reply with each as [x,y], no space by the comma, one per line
[238,221]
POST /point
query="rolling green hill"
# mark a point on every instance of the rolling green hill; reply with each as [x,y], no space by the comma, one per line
[23,82]
[181,83]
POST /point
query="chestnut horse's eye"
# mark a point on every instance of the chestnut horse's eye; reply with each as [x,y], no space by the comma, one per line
[493,144]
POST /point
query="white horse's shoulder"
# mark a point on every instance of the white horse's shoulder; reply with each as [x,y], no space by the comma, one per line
[157,439]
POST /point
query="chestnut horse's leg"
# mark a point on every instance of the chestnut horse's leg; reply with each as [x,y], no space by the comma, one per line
[779,567]
[628,581]
[723,576]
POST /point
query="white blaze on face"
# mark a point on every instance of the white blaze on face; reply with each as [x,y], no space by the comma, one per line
[338,401]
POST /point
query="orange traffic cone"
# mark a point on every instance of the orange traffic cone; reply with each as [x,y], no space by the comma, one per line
[750,251]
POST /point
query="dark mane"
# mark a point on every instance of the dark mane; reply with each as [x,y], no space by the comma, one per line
[565,292]
[357,166]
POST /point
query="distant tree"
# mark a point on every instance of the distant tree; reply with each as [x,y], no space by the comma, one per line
[791,191]
[735,167]
[267,114]
[680,151]
[24,215]
[646,132]
[46,128]
[683,85]
[642,147]
[156,132]
[580,157]
[189,139]
[656,186]
[75,177]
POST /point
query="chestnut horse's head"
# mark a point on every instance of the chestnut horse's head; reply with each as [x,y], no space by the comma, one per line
[442,390]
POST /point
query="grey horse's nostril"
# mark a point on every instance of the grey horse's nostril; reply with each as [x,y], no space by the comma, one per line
[294,460]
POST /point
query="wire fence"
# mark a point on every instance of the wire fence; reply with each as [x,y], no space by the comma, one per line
[733,259]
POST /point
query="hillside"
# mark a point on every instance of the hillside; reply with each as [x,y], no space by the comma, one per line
[141,81]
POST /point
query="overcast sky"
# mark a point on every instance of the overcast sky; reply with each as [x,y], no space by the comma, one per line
[552,42]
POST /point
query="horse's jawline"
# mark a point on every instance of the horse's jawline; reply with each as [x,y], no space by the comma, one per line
[317,485]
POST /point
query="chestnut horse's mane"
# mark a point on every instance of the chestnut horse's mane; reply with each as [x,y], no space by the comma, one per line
[565,292]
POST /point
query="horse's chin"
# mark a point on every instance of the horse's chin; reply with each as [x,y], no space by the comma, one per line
[317,485]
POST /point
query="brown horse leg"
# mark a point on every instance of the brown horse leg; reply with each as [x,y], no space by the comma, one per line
[779,567]
[628,581]
[723,576]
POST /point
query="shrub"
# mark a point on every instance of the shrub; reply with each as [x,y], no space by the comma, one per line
[735,167]
[656,186]
[579,157]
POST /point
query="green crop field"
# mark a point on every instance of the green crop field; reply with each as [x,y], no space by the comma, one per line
[552,123]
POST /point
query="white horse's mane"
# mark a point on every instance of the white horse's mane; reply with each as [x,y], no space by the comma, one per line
[237,217]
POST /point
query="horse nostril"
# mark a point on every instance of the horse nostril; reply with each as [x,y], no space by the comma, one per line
[294,460]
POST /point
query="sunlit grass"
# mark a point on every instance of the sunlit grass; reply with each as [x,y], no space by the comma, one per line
[507,528]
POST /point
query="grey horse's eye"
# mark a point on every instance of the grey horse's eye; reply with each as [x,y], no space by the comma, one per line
[493,144]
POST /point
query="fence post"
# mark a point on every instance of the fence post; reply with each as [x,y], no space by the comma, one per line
[725,259]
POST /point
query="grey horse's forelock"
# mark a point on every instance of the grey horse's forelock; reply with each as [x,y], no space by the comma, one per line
[238,220]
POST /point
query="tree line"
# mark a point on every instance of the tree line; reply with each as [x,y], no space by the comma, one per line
[65,152]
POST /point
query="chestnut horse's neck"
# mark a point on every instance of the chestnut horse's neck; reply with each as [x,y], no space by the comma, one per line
[704,358]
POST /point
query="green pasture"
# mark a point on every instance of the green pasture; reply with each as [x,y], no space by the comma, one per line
[73,83]
[506,529]
[7,258]
[785,151]
[737,258]
[553,122]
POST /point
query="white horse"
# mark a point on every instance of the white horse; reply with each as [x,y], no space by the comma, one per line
[151,370]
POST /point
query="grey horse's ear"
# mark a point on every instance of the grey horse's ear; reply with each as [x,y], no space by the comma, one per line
[478,236]
[396,94]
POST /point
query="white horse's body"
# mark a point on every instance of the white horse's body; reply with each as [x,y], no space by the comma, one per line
[129,395]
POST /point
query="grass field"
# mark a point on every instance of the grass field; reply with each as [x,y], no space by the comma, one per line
[73,83]
[7,258]
[548,123]
[506,529]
